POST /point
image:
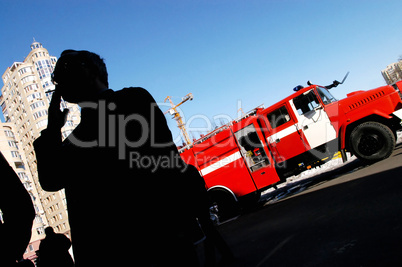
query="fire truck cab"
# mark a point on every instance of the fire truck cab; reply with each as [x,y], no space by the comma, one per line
[311,125]
[297,126]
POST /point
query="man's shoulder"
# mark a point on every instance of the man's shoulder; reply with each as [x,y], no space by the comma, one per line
[132,92]
[133,99]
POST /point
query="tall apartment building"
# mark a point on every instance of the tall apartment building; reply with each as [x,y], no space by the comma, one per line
[393,72]
[24,102]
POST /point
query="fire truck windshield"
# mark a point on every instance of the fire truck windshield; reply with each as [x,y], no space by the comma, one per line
[325,95]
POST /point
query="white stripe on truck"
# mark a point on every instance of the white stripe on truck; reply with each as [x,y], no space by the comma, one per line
[219,164]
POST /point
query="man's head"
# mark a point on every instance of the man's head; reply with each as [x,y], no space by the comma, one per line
[79,75]
[49,231]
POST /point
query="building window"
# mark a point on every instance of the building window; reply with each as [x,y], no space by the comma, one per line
[25,70]
[28,79]
[41,124]
[15,154]
[47,84]
[9,133]
[33,96]
[30,87]
[44,68]
[12,144]
[37,105]
[38,219]
[23,176]
[40,230]
[39,114]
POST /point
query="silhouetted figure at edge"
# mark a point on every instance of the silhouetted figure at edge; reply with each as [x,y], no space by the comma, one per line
[120,168]
[18,215]
[53,250]
[200,205]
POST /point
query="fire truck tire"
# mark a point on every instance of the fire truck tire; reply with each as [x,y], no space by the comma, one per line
[372,141]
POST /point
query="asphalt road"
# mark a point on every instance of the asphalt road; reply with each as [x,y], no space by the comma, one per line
[350,217]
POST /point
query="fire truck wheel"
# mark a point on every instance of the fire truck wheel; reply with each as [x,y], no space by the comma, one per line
[372,141]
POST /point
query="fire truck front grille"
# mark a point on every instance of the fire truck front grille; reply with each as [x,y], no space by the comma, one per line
[366,100]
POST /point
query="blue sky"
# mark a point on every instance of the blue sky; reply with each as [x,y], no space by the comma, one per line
[228,53]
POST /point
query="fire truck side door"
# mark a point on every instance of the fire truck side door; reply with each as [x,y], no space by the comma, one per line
[312,120]
[283,136]
[256,155]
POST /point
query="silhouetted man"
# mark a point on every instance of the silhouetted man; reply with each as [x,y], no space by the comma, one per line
[18,215]
[120,169]
[54,250]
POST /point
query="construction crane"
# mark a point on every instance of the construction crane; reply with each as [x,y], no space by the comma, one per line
[176,115]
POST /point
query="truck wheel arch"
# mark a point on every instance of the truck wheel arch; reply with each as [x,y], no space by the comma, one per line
[346,130]
[372,141]
[221,190]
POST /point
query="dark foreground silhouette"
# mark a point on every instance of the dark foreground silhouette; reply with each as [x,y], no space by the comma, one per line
[126,185]
[18,215]
[53,250]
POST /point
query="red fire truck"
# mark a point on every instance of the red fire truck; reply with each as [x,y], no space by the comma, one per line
[265,146]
